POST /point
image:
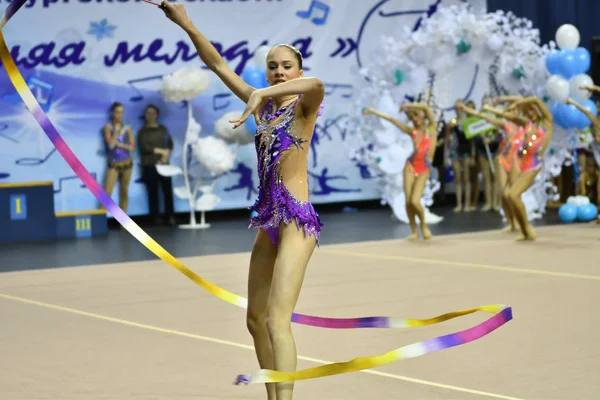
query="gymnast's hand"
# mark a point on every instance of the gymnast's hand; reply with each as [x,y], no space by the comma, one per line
[367,111]
[252,105]
[176,13]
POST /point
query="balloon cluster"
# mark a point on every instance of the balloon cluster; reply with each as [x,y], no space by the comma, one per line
[577,208]
[568,67]
[255,75]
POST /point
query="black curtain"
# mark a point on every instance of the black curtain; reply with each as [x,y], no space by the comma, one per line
[549,15]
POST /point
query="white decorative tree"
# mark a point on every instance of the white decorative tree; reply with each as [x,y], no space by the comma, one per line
[183,86]
[214,154]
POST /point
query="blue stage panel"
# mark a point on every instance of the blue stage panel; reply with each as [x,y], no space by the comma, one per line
[81,224]
[27,212]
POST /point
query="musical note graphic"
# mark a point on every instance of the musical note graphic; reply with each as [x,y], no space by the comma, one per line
[218,97]
[30,161]
[42,90]
[69,178]
[330,88]
[131,83]
[315,6]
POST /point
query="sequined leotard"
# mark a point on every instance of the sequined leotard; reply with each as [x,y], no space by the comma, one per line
[528,154]
[509,145]
[418,160]
[278,146]
[119,158]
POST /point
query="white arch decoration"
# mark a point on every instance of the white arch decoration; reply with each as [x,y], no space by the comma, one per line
[422,63]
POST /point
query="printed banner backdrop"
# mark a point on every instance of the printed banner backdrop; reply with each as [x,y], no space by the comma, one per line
[80,56]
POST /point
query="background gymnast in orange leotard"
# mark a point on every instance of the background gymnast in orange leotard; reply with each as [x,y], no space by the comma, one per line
[418,165]
[510,125]
[537,133]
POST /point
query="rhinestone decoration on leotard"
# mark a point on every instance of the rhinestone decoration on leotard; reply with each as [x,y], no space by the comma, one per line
[529,148]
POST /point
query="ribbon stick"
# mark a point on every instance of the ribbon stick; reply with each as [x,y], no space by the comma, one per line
[151,2]
[502,312]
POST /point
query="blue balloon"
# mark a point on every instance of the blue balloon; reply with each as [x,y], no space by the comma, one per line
[568,64]
[583,59]
[567,213]
[577,119]
[569,115]
[565,119]
[555,110]
[253,214]
[254,77]
[587,212]
[590,105]
[558,118]
[553,62]
[582,121]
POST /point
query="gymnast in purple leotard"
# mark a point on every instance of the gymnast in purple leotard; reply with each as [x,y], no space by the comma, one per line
[280,150]
[288,227]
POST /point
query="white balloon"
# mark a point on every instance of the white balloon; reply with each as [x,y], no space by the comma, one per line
[567,37]
[260,57]
[576,83]
[557,88]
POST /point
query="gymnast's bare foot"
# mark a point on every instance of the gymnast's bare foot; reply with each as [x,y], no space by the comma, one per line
[426,233]
[529,235]
[509,229]
[458,209]
[413,236]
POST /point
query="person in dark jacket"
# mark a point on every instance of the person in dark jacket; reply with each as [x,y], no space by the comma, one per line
[155,145]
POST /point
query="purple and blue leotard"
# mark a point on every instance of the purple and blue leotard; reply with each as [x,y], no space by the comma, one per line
[282,159]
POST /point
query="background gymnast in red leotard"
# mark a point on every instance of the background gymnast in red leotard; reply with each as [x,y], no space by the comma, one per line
[418,165]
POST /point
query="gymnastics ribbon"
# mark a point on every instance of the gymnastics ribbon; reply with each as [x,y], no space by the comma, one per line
[502,313]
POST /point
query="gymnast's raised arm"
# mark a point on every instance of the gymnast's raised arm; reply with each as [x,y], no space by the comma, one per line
[500,123]
[403,127]
[506,115]
[547,118]
[207,52]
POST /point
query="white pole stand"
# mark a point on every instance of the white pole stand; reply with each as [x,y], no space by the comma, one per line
[194,225]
